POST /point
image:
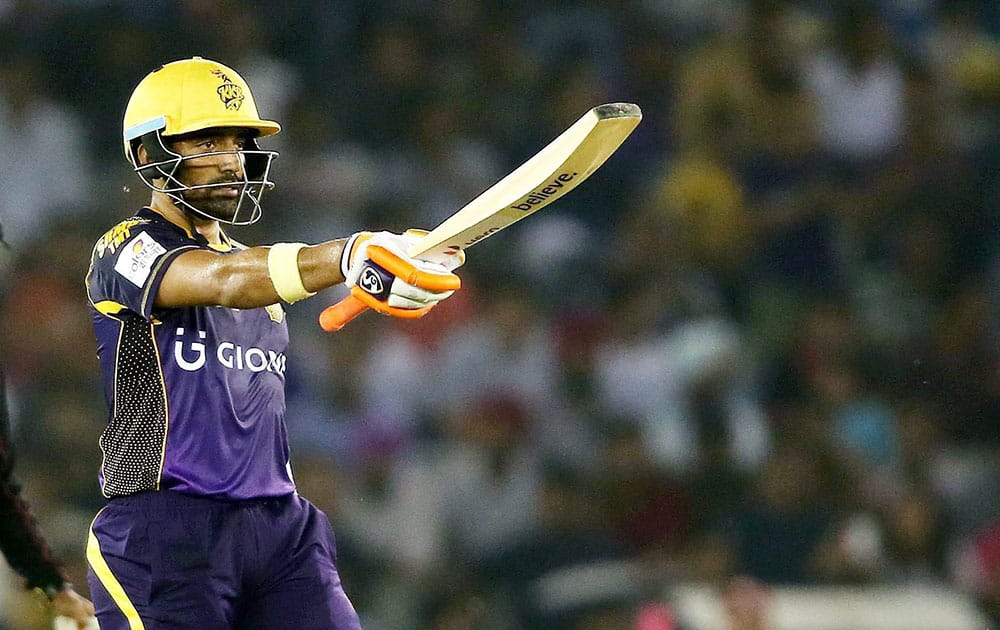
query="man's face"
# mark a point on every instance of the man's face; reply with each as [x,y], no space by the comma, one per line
[219,201]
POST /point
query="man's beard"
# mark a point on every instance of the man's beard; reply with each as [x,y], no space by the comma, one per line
[210,199]
[211,202]
[223,208]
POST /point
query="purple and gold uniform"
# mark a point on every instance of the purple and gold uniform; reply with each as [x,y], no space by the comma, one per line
[197,394]
[203,528]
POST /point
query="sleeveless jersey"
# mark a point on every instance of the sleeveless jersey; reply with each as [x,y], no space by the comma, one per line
[195,395]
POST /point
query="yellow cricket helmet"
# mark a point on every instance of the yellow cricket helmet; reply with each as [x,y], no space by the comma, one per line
[187,96]
[191,95]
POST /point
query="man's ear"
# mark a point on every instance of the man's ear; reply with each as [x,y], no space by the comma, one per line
[143,158]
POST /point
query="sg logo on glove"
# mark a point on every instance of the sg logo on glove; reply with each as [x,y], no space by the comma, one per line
[375,281]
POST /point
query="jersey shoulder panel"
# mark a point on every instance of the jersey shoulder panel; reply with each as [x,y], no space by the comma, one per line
[128,262]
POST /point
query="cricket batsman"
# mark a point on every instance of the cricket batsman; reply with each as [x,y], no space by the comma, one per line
[203,527]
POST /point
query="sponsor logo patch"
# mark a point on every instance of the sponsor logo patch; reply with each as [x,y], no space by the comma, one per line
[192,355]
[136,259]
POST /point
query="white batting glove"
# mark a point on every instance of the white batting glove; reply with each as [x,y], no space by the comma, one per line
[389,280]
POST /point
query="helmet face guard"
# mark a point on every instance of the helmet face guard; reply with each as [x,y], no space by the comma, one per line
[160,175]
[189,96]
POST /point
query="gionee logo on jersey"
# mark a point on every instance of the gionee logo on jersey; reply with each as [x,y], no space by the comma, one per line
[228,354]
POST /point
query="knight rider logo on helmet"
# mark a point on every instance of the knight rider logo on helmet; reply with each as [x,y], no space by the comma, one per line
[230,93]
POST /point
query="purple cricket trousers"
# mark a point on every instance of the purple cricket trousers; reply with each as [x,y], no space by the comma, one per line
[161,560]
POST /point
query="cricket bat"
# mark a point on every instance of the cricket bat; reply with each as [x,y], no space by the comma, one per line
[548,175]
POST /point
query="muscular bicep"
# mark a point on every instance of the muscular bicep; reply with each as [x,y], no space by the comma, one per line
[205,278]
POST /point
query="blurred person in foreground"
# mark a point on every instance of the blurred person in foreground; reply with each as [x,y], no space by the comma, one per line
[203,526]
[24,548]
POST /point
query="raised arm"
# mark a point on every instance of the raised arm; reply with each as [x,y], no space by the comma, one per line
[260,276]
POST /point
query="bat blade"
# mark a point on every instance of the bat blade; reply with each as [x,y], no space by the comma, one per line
[546,177]
[562,165]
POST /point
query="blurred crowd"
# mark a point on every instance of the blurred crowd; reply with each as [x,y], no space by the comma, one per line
[760,346]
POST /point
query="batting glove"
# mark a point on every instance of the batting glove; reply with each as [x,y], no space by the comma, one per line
[383,276]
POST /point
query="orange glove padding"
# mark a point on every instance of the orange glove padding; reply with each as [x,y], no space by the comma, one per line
[383,276]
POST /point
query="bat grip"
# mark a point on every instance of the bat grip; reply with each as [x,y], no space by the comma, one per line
[335,317]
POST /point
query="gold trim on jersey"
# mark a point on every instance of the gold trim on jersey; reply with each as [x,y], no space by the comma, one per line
[111,584]
[113,238]
[275,312]
[109,307]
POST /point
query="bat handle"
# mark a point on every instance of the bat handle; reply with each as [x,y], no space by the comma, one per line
[335,317]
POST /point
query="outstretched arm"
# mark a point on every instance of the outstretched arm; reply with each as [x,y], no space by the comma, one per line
[243,279]
[260,276]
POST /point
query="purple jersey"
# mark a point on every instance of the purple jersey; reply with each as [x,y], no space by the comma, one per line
[196,395]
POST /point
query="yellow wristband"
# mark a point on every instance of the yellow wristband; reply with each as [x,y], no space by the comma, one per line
[283,268]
